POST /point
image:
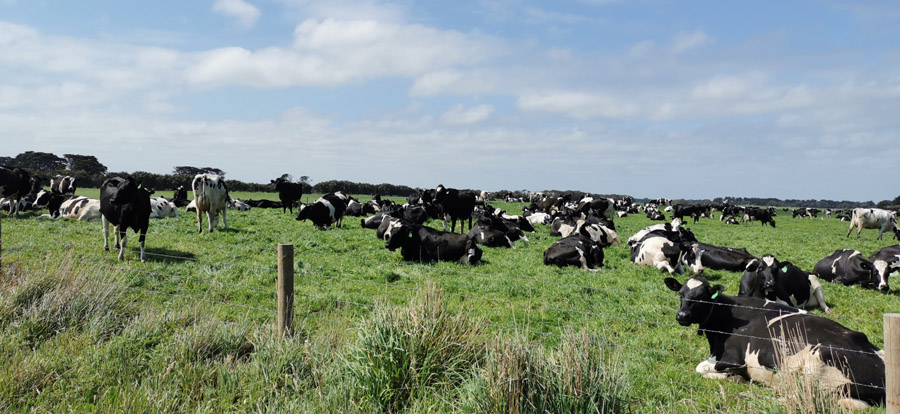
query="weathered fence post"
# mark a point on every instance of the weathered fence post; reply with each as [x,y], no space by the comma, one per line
[284,318]
[892,362]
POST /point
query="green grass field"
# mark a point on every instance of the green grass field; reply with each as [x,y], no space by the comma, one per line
[191,329]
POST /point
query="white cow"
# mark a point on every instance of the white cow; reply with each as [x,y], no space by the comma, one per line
[161,208]
[80,208]
[238,204]
[873,218]
[210,196]
[658,252]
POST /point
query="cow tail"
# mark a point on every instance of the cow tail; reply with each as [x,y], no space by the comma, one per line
[197,192]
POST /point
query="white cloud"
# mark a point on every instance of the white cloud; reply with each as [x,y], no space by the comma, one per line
[461,115]
[435,83]
[245,13]
[685,41]
[578,105]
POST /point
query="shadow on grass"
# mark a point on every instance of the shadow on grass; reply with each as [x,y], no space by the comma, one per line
[162,255]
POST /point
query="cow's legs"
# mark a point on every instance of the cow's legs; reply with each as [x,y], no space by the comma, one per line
[141,243]
[200,221]
[105,227]
[224,221]
[212,218]
[850,230]
[123,232]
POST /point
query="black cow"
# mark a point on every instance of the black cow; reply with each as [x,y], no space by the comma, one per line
[289,193]
[742,334]
[126,205]
[263,203]
[763,215]
[423,244]
[179,197]
[701,255]
[680,212]
[768,278]
[457,205]
[849,267]
[15,184]
[326,210]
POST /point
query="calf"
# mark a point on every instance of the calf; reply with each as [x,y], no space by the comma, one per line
[161,208]
[849,267]
[327,210]
[62,184]
[743,332]
[457,205]
[873,218]
[126,205]
[423,244]
[210,196]
[698,256]
[289,193]
[768,278]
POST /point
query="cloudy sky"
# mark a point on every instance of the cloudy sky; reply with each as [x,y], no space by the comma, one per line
[654,98]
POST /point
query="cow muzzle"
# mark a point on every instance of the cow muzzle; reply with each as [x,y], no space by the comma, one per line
[683,318]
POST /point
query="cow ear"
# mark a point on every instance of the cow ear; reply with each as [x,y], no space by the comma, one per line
[718,289]
[753,266]
[673,284]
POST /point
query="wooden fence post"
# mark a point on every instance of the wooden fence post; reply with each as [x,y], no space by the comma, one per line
[892,362]
[284,318]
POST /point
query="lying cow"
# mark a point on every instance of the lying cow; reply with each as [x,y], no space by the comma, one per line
[886,261]
[743,332]
[768,278]
[162,208]
[418,243]
[698,256]
[873,218]
[575,250]
[849,267]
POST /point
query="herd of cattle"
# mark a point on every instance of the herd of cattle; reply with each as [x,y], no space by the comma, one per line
[742,330]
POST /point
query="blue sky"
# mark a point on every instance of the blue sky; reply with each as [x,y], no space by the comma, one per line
[651,98]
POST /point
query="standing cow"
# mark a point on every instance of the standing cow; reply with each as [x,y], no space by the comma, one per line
[289,193]
[126,205]
[15,183]
[210,196]
[873,218]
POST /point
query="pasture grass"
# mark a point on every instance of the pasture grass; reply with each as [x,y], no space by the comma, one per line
[191,329]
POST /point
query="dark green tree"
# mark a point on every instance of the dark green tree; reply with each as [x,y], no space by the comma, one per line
[86,163]
[39,161]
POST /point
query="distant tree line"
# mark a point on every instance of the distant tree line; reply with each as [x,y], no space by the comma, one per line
[89,172]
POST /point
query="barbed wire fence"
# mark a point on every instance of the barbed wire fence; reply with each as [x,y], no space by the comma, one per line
[282,292]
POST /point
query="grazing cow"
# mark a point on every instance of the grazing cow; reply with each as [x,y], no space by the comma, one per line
[126,205]
[769,342]
[15,184]
[210,196]
[763,215]
[575,250]
[849,267]
[423,244]
[323,212]
[457,205]
[680,211]
[289,193]
[698,256]
[768,278]
[873,218]
[62,184]
[179,198]
[161,208]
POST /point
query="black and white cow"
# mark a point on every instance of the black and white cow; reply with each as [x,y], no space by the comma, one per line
[681,211]
[602,206]
[576,250]
[15,184]
[357,209]
[423,244]
[62,184]
[763,215]
[74,207]
[289,193]
[698,256]
[768,278]
[873,218]
[661,246]
[886,261]
[457,205]
[742,333]
[162,208]
[849,267]
[179,197]
[211,197]
[124,204]
[327,210]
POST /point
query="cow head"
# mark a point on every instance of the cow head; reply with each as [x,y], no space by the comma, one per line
[859,270]
[303,212]
[697,299]
[758,278]
[883,270]
[397,235]
[692,256]
[120,190]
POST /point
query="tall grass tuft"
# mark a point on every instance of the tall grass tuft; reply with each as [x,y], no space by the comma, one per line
[405,355]
[579,377]
[60,296]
